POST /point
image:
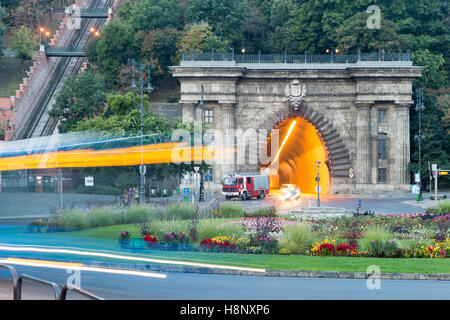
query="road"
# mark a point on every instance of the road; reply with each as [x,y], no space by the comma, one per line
[31,205]
[187,286]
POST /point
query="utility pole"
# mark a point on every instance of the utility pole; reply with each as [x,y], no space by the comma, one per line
[201,197]
[419,108]
[141,67]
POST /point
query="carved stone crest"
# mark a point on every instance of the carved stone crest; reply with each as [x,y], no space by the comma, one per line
[297,95]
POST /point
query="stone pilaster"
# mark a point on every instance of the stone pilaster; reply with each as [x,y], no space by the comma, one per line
[401,149]
[228,127]
[363,144]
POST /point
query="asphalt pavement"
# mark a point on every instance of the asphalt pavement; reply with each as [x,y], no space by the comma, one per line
[187,286]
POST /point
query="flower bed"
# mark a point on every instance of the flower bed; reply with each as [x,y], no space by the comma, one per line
[380,236]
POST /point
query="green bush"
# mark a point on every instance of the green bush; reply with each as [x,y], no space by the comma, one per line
[388,249]
[179,211]
[101,190]
[102,217]
[231,210]
[441,208]
[296,239]
[140,214]
[375,233]
[74,219]
[210,228]
[262,212]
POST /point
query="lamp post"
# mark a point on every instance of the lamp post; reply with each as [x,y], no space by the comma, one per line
[41,31]
[419,108]
[318,182]
[141,68]
[201,197]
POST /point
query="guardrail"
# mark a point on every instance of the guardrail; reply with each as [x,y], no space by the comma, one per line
[295,58]
[37,280]
[67,287]
[58,294]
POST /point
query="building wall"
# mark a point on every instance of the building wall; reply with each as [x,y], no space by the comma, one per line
[341,101]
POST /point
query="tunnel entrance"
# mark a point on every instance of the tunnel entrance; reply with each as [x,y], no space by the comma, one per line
[300,146]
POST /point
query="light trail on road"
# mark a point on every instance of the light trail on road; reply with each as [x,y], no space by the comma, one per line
[126,257]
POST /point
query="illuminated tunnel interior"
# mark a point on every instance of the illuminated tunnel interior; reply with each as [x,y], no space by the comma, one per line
[297,156]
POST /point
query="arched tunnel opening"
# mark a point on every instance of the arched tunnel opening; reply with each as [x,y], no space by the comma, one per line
[300,148]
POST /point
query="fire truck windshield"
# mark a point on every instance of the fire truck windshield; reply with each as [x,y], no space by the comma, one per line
[229,182]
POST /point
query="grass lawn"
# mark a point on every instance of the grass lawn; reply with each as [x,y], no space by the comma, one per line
[12,73]
[279,262]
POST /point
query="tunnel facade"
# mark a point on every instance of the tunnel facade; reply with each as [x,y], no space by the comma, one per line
[352,117]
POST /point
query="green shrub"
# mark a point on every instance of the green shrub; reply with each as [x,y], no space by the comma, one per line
[102,217]
[375,233]
[295,239]
[262,212]
[101,190]
[231,210]
[442,207]
[74,219]
[179,211]
[388,249]
[210,228]
[140,214]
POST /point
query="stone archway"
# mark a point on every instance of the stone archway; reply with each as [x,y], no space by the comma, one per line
[338,157]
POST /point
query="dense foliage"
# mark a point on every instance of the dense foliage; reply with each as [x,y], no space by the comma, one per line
[157,31]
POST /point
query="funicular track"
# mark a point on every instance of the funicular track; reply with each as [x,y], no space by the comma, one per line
[41,124]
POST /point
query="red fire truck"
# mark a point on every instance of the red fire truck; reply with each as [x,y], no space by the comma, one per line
[245,186]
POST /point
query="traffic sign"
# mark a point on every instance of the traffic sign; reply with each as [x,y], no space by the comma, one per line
[89,181]
[443,173]
[351,175]
[318,189]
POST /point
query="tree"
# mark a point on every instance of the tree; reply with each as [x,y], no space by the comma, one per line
[119,104]
[153,14]
[226,18]
[200,38]
[159,47]
[82,97]
[2,30]
[117,44]
[354,34]
[24,43]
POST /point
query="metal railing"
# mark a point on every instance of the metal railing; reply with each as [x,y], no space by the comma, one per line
[295,58]
[53,285]
[67,287]
[14,277]
[57,293]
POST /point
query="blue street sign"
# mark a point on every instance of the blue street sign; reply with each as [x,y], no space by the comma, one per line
[186,192]
[208,177]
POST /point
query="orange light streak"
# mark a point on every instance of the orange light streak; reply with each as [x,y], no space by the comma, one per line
[284,141]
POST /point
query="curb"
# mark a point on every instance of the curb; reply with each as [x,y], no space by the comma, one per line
[274,273]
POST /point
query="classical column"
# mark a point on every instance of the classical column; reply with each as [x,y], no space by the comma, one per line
[401,150]
[363,147]
[228,129]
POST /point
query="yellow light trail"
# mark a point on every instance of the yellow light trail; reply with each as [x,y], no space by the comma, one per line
[125,257]
[284,141]
[129,156]
[78,266]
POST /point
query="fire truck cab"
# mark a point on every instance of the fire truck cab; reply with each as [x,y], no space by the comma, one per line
[245,186]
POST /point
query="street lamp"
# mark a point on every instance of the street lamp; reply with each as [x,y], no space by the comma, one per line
[419,108]
[201,197]
[41,31]
[318,182]
[141,68]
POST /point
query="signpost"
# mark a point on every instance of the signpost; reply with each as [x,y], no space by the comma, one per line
[435,174]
